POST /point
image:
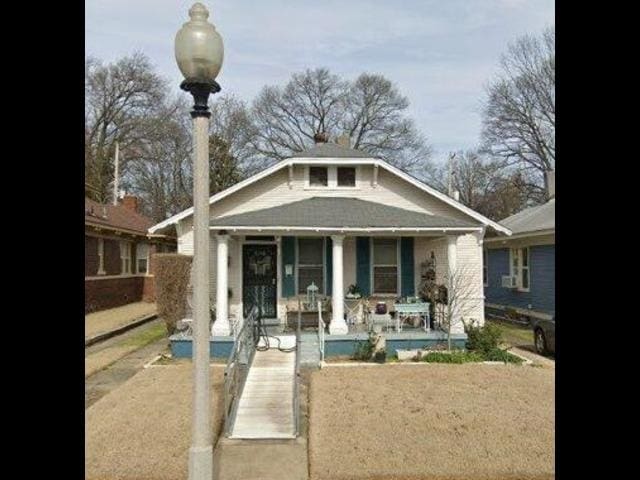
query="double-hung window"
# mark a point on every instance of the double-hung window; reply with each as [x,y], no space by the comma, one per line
[142,258]
[125,257]
[385,265]
[101,257]
[520,267]
[310,264]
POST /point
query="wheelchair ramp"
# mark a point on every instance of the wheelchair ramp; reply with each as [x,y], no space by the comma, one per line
[266,406]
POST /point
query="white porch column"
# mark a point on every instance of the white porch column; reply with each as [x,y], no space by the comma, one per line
[221,325]
[338,325]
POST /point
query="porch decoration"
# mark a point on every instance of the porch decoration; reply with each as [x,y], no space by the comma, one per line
[353,292]
[312,295]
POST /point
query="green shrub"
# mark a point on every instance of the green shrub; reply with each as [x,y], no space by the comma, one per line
[171,278]
[363,349]
[459,356]
[483,339]
[498,355]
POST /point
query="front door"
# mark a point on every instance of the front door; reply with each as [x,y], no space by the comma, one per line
[259,279]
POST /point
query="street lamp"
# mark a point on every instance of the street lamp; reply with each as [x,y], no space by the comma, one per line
[199,53]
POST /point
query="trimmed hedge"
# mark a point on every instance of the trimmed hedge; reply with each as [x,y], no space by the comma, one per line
[172,275]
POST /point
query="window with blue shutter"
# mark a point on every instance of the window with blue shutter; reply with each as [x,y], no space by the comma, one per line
[407,280]
[363,265]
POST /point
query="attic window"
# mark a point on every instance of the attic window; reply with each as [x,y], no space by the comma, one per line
[318,176]
[346,176]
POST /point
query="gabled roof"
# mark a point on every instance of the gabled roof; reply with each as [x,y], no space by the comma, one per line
[117,217]
[533,219]
[323,152]
[340,213]
[330,150]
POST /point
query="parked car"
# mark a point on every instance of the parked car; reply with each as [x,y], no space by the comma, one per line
[544,335]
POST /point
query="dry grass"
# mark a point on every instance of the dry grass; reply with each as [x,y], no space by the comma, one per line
[142,430]
[107,320]
[94,362]
[432,422]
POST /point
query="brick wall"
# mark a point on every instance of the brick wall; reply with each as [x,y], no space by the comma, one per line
[112,292]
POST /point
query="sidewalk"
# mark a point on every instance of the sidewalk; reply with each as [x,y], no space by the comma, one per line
[107,320]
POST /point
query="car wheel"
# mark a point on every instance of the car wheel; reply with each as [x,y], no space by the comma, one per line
[540,341]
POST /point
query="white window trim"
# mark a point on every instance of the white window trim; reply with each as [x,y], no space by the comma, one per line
[324,266]
[332,178]
[519,276]
[485,267]
[125,254]
[372,270]
[101,270]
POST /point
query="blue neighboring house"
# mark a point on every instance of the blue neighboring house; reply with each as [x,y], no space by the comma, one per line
[519,271]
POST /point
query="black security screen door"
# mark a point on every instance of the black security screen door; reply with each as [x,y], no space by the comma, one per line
[259,279]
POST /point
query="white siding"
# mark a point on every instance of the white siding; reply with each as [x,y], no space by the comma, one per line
[391,190]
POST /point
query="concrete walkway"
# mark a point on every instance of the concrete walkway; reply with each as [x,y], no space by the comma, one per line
[106,320]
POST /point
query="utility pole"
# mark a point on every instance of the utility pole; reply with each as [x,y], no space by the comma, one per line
[450,184]
[115,175]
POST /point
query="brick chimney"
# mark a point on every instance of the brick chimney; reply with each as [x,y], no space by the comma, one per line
[321,137]
[130,202]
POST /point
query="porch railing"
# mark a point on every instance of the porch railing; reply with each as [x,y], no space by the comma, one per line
[296,385]
[237,368]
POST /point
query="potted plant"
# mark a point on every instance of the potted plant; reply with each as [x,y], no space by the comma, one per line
[353,292]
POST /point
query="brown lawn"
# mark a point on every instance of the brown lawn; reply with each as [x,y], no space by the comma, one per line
[432,422]
[142,430]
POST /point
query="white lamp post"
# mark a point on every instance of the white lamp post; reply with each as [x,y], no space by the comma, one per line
[199,53]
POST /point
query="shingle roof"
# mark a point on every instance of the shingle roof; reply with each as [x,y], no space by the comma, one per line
[337,212]
[541,217]
[330,150]
[115,216]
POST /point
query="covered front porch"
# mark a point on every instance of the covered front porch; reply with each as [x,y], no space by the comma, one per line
[350,254]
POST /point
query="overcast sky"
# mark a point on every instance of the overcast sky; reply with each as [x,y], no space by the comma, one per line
[439,53]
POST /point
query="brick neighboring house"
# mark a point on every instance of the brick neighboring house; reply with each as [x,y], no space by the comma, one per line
[117,254]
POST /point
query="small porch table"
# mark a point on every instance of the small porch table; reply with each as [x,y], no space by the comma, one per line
[406,310]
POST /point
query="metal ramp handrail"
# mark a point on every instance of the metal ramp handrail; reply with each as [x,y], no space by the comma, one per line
[321,327]
[237,368]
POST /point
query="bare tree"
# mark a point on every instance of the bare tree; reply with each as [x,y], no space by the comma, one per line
[370,110]
[119,99]
[519,113]
[463,295]
[489,186]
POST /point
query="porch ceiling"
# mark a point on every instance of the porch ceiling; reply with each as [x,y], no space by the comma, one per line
[338,213]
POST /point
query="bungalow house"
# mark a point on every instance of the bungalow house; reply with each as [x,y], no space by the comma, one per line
[117,254]
[333,217]
[519,271]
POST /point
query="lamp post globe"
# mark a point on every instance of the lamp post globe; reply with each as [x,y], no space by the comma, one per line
[199,52]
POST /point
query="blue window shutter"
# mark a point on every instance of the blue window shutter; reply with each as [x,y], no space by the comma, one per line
[363,265]
[329,265]
[288,258]
[407,281]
